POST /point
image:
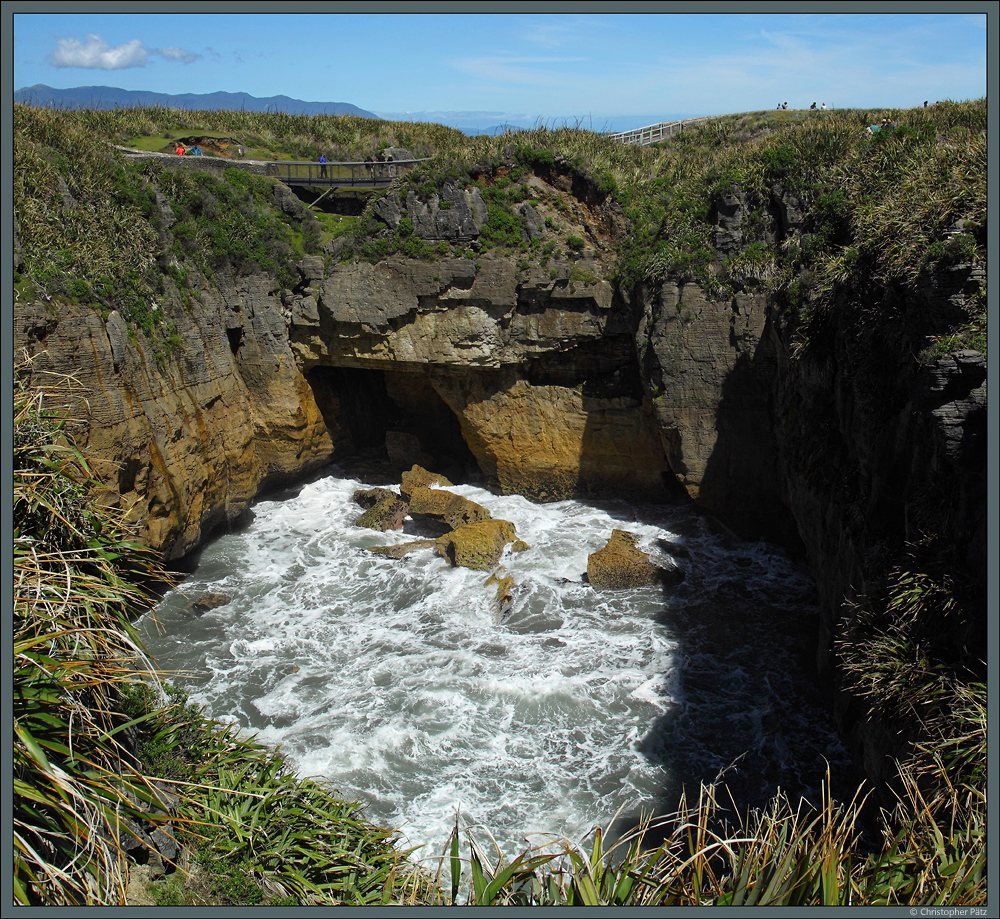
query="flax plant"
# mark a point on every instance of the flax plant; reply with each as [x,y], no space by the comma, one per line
[96,742]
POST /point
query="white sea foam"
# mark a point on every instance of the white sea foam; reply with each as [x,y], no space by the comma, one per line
[392,679]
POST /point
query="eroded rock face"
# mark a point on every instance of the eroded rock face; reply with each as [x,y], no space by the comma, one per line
[453,509]
[402,312]
[386,514]
[710,368]
[575,422]
[183,439]
[418,477]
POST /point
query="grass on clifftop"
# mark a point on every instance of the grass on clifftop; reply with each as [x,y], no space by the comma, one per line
[821,202]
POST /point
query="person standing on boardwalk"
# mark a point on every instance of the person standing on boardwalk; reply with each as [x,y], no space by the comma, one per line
[322,166]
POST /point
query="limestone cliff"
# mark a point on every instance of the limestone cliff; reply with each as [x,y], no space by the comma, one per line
[538,372]
[184,440]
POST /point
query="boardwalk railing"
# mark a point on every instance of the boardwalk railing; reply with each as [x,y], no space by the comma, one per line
[338,175]
[656,132]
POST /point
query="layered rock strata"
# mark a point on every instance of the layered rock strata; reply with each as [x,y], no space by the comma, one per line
[539,373]
[184,437]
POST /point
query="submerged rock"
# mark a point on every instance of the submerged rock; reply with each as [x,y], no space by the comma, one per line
[503,602]
[622,564]
[207,601]
[401,550]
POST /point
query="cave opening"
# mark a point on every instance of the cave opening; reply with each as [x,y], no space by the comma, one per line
[394,416]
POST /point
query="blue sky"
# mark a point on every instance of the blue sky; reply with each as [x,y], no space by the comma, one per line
[601,70]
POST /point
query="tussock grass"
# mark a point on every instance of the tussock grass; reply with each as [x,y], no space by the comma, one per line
[899,205]
[930,849]
[339,137]
[77,582]
[96,741]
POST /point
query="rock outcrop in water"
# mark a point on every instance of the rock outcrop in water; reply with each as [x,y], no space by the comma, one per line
[622,564]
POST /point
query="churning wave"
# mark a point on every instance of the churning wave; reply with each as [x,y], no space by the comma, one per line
[394,680]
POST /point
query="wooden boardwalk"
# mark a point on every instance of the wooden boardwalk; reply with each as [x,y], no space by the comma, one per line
[653,133]
[311,174]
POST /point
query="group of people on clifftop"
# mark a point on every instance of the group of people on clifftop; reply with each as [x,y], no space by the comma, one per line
[886,124]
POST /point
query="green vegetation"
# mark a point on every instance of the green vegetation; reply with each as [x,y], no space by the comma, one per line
[903,204]
[99,748]
[77,582]
[268,135]
[100,232]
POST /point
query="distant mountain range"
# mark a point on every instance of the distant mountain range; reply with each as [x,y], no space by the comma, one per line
[110,97]
[469,122]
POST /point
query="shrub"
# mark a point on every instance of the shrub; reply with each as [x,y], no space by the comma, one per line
[502,228]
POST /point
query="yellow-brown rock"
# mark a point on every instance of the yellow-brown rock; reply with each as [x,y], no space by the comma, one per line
[504,599]
[386,514]
[476,545]
[182,437]
[453,509]
[621,564]
[418,477]
[401,550]
[552,442]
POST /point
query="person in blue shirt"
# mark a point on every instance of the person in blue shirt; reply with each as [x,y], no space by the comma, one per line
[322,166]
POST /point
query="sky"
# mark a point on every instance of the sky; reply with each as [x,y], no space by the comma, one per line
[522,66]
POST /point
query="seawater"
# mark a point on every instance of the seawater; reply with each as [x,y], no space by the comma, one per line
[395,681]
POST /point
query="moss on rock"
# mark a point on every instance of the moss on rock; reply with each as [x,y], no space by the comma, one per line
[621,564]
[419,477]
[477,545]
[453,509]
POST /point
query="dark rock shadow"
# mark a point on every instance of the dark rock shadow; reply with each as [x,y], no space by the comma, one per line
[742,482]
[750,712]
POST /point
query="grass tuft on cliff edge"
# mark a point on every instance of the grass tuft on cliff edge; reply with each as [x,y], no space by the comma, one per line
[819,200]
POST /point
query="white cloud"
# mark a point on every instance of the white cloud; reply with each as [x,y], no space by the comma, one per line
[93,53]
[176,54]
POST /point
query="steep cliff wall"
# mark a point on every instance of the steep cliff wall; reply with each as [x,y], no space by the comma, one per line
[184,438]
[538,371]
